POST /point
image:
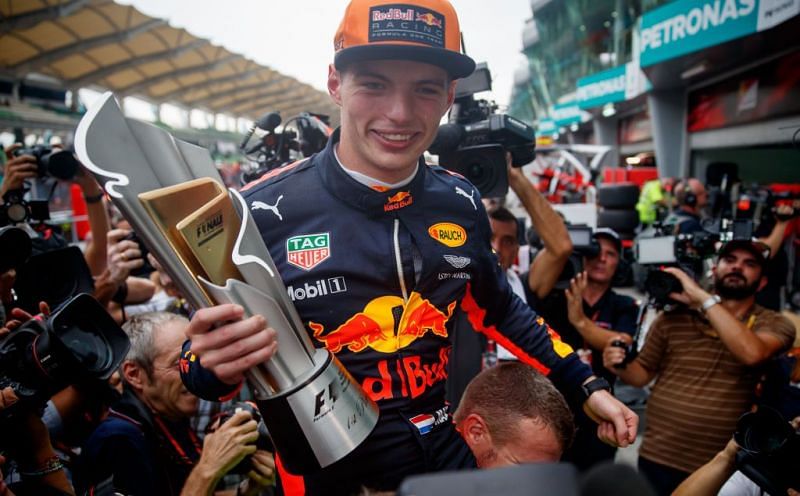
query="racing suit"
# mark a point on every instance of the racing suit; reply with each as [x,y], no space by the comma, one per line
[376,277]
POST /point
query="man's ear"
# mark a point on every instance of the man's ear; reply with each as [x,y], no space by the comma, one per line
[133,374]
[335,85]
[475,432]
[762,283]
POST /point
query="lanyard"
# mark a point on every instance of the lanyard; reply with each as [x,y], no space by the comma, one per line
[174,442]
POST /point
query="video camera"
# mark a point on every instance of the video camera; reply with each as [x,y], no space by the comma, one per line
[475,141]
[277,148]
[585,245]
[78,342]
[770,450]
[685,251]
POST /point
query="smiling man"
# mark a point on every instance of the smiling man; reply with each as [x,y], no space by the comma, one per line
[706,358]
[384,248]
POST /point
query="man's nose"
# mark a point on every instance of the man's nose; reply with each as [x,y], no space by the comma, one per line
[401,107]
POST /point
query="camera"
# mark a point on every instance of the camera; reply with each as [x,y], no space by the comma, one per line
[630,352]
[57,163]
[684,251]
[770,450]
[475,141]
[78,342]
[277,148]
[16,210]
[585,245]
[264,442]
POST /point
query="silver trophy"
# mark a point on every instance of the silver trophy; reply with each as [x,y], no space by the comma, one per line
[207,241]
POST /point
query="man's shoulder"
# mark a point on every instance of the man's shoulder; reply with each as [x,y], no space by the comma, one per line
[771,321]
[448,177]
[293,171]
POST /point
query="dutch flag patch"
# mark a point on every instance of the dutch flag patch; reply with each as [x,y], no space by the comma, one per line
[424,423]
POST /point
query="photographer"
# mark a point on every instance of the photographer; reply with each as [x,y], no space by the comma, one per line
[706,356]
[720,477]
[27,440]
[586,315]
[146,446]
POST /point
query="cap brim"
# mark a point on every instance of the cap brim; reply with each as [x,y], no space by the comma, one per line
[456,64]
[755,247]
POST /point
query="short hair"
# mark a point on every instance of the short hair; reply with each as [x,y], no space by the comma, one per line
[512,391]
[502,214]
[140,329]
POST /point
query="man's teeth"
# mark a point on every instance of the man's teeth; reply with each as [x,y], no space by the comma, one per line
[396,137]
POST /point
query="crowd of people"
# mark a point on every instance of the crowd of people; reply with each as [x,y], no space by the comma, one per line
[174,418]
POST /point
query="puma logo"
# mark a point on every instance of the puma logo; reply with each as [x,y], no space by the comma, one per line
[257,205]
[469,196]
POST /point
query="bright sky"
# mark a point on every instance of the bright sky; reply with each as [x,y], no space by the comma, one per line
[296,37]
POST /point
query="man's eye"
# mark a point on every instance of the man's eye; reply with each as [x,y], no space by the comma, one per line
[373,85]
[428,90]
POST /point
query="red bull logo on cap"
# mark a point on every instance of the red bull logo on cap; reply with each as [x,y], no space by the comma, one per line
[398,200]
[429,19]
[374,327]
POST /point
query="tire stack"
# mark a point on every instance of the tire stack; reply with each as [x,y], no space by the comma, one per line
[617,204]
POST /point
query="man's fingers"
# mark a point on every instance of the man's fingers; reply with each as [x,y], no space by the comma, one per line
[113,236]
[257,340]
[233,372]
[206,319]
[226,335]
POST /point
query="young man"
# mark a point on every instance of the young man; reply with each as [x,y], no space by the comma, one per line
[404,242]
[707,358]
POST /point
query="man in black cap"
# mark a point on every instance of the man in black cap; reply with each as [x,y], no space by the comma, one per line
[586,315]
[706,359]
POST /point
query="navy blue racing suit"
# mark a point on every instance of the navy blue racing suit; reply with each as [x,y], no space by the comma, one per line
[376,277]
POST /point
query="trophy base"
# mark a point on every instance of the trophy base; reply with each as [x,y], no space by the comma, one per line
[321,420]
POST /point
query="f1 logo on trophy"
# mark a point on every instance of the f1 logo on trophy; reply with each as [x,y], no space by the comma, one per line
[209,244]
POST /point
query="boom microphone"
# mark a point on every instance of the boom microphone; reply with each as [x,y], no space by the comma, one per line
[267,122]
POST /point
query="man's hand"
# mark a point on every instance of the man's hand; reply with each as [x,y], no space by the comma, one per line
[574,296]
[233,348]
[123,255]
[692,294]
[614,355]
[262,475]
[18,169]
[617,423]
[224,448]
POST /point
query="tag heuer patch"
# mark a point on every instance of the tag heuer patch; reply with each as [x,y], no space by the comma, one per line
[308,250]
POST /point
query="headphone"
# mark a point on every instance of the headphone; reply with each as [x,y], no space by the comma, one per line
[684,194]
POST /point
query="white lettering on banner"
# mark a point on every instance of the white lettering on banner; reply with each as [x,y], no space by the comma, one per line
[601,88]
[698,19]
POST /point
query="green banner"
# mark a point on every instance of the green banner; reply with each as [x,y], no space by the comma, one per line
[686,26]
[601,88]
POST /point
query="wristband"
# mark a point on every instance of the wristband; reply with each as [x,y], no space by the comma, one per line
[94,198]
[53,464]
[710,302]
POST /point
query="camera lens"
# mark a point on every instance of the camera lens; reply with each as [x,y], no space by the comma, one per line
[60,164]
[91,350]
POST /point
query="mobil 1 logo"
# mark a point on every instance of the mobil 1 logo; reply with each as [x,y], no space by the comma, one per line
[320,287]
